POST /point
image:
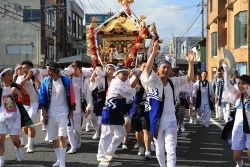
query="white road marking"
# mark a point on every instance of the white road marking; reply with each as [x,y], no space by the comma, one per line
[103,164]
[216,123]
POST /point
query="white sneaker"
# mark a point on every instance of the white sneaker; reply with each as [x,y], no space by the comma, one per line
[78,145]
[182,128]
[57,163]
[43,129]
[148,155]
[136,145]
[124,147]
[195,122]
[112,155]
[30,150]
[141,151]
[152,146]
[26,146]
[96,136]
[71,151]
[103,159]
[204,125]
[87,129]
[191,121]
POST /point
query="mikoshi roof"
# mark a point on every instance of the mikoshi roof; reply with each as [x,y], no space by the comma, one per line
[121,23]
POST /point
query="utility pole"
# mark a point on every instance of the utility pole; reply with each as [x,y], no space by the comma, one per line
[55,35]
[202,11]
[248,33]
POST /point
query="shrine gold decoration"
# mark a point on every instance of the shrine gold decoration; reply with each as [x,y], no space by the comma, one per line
[126,2]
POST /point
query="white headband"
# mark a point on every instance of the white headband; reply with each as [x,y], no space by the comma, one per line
[112,65]
[122,70]
[4,71]
[17,68]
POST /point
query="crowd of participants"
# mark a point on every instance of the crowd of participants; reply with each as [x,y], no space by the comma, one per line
[151,100]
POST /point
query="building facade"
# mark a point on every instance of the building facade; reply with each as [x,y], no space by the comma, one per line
[227,29]
[20,32]
[179,47]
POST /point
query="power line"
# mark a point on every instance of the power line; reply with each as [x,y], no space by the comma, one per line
[92,7]
[18,19]
[92,2]
[84,7]
[104,5]
[97,3]
[6,10]
[190,22]
[191,25]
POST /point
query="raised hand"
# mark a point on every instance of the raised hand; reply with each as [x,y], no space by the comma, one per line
[190,57]
[156,46]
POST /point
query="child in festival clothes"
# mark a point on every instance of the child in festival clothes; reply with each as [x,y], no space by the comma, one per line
[13,96]
[119,94]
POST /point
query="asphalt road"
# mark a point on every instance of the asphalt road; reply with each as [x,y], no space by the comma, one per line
[197,147]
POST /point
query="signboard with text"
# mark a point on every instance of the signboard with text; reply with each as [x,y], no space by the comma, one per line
[101,18]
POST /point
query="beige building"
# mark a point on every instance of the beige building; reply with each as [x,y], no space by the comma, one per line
[20,32]
[227,23]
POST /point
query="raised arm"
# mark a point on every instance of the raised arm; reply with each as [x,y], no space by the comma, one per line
[151,59]
[190,60]
[231,91]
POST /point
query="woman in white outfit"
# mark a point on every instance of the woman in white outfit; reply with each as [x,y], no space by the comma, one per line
[240,95]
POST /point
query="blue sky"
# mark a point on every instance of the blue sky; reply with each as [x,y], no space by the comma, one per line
[172,17]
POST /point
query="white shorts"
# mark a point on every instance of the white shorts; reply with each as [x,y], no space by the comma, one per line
[6,129]
[240,140]
[32,111]
[99,121]
[57,126]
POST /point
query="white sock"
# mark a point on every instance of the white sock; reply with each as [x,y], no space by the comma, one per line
[62,157]
[19,154]
[72,139]
[30,143]
[1,161]
[57,152]
[21,139]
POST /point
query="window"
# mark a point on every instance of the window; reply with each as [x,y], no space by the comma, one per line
[31,15]
[50,51]
[240,29]
[211,5]
[214,44]
[73,24]
[49,19]
[19,49]
[80,28]
[241,67]
[77,25]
